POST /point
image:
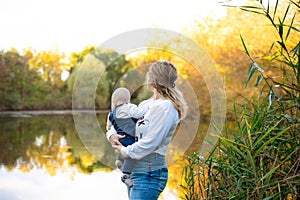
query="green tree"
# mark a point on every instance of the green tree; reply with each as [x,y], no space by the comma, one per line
[116,65]
[20,86]
[23,87]
[112,64]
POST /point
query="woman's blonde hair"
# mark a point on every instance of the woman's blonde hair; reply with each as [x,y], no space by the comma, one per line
[162,76]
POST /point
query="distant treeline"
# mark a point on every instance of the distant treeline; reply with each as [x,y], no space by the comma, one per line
[44,80]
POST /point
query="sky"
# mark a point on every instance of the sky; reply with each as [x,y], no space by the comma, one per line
[70,25]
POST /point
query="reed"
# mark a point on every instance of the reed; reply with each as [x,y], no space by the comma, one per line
[260,158]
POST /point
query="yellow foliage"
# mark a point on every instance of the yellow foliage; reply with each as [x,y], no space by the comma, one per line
[50,65]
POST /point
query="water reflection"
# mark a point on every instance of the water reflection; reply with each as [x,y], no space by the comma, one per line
[48,142]
[42,157]
[37,185]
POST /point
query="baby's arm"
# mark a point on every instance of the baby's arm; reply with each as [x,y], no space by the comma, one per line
[135,111]
[110,132]
[108,123]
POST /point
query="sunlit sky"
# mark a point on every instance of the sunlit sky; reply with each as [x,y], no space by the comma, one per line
[70,25]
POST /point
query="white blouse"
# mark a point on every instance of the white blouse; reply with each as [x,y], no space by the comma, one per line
[154,131]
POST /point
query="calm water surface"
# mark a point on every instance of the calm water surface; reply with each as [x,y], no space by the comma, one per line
[42,157]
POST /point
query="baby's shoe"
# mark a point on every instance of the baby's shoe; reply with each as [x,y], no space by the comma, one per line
[119,164]
[126,179]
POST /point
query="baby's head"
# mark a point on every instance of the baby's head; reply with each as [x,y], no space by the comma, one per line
[120,96]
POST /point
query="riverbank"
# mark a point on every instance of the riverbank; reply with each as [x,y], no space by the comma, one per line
[29,113]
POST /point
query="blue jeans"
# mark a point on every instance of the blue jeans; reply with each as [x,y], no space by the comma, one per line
[148,185]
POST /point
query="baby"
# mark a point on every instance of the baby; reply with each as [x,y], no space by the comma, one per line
[123,117]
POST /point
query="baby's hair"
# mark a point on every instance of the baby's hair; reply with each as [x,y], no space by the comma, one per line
[120,96]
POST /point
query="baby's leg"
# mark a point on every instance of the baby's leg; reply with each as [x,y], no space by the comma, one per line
[127,169]
[119,163]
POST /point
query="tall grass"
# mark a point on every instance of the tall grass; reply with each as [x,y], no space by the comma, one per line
[260,159]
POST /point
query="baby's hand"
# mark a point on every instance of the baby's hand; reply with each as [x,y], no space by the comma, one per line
[118,147]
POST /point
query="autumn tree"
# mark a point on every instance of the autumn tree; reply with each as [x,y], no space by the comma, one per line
[50,65]
[222,40]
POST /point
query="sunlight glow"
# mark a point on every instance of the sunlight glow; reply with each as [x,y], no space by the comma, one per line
[71,25]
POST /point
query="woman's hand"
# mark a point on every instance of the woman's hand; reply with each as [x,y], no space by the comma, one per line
[115,143]
[114,139]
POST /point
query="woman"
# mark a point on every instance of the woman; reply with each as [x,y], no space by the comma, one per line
[154,131]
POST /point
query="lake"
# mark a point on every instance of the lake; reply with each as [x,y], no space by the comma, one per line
[45,157]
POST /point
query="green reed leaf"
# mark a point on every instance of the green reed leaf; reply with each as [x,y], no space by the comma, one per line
[244,45]
[260,140]
[258,80]
[258,151]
